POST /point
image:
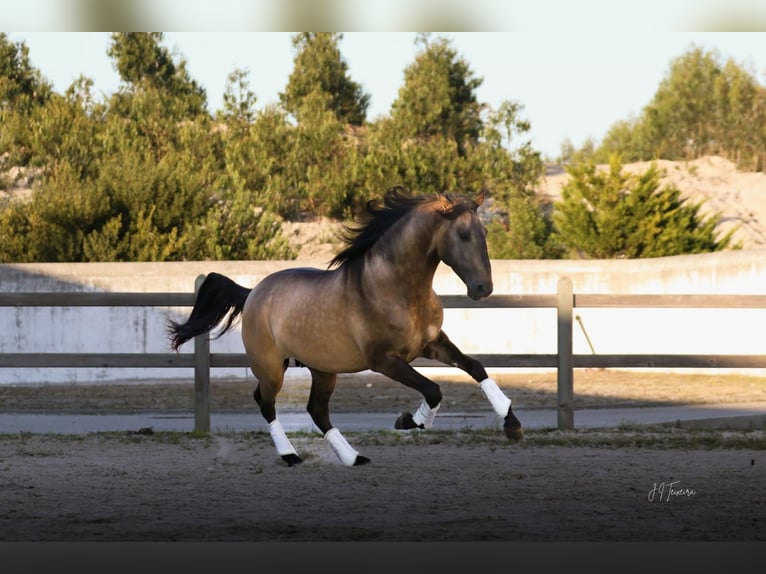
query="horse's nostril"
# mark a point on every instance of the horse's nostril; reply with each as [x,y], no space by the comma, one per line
[480,290]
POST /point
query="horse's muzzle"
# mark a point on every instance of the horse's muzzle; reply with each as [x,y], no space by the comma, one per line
[479,290]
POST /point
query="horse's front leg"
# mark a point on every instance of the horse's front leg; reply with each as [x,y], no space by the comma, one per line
[445,351]
[400,370]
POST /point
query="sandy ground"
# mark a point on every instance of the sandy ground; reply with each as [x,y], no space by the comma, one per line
[419,487]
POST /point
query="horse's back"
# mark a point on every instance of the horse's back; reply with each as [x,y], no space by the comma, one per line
[298,281]
[304,312]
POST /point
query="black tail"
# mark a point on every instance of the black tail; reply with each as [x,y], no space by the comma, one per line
[217,296]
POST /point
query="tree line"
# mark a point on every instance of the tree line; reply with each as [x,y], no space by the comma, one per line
[704,105]
[149,174]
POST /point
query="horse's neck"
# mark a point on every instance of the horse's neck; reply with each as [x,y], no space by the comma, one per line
[405,259]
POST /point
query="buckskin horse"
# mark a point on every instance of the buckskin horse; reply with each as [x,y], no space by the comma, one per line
[373,308]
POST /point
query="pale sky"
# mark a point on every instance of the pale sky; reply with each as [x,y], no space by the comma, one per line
[573,84]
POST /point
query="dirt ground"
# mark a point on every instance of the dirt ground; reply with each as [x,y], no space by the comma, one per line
[624,484]
[594,388]
[445,488]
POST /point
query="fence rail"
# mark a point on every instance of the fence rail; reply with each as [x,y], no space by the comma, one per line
[564,360]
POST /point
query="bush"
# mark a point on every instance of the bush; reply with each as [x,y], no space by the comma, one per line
[608,214]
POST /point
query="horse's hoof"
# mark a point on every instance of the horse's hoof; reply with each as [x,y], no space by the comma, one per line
[292,459]
[406,422]
[360,460]
[514,433]
[512,427]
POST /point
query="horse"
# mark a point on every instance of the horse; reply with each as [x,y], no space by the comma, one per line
[373,308]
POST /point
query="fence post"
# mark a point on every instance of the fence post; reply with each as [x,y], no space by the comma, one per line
[565,388]
[201,376]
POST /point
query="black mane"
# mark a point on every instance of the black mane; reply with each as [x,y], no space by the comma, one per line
[379,218]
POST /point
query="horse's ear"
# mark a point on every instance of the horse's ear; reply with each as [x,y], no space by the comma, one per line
[445,203]
[480,198]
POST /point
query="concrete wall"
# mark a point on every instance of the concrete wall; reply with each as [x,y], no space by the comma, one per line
[106,330]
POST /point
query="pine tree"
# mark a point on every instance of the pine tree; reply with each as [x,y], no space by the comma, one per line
[320,72]
[609,214]
[21,84]
[439,97]
[143,63]
[24,92]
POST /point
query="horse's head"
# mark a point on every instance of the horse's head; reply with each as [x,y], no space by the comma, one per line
[462,244]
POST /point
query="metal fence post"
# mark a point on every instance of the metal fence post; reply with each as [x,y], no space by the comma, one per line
[565,389]
[201,376]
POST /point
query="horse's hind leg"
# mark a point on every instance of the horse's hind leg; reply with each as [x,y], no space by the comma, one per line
[270,378]
[445,351]
[322,387]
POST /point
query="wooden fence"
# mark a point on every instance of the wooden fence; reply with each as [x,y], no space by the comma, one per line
[564,360]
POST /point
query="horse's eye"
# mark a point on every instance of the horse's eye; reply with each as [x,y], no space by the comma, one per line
[464,235]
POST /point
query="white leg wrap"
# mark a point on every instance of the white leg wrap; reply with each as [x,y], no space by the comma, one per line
[280,438]
[496,397]
[340,445]
[425,415]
